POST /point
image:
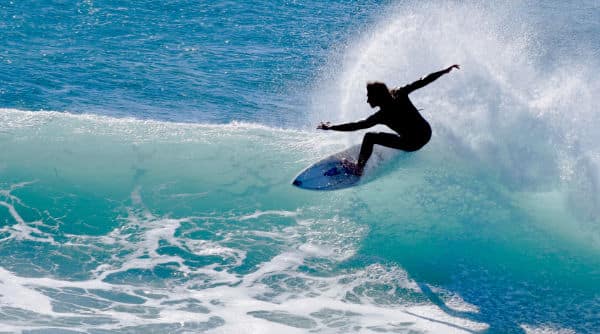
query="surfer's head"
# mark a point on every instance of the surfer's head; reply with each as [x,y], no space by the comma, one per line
[377,94]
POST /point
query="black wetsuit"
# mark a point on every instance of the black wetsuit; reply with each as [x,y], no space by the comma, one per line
[401,116]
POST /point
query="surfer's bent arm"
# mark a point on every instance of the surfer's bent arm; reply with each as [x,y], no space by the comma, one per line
[364,124]
[428,79]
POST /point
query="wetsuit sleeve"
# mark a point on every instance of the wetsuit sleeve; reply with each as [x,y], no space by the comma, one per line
[423,81]
[364,124]
[396,91]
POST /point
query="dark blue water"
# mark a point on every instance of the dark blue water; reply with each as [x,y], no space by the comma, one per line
[171,60]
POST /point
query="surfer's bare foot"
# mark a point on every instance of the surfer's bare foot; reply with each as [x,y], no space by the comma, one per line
[351,167]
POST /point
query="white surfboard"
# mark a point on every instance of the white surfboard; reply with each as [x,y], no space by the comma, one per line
[329,174]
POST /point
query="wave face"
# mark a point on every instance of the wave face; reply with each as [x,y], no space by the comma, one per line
[121,224]
[130,225]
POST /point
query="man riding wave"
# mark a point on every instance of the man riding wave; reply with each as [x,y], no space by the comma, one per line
[398,113]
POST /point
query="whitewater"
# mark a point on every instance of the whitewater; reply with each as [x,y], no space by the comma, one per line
[129,212]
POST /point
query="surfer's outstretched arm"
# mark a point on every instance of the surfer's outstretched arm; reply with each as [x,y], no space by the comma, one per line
[428,79]
[364,124]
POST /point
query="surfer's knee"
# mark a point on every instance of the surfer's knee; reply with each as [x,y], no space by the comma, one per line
[370,137]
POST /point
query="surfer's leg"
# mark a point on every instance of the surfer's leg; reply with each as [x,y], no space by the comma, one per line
[380,138]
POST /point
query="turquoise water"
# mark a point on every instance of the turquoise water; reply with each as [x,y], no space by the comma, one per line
[148,150]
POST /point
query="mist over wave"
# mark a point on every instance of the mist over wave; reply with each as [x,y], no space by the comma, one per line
[512,110]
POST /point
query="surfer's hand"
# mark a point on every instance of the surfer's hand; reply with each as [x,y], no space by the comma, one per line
[324,126]
[456,66]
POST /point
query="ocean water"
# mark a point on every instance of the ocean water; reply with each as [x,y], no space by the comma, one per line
[147,150]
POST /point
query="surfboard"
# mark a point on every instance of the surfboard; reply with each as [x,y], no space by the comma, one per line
[329,173]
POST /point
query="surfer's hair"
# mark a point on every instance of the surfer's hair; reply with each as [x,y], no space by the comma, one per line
[378,91]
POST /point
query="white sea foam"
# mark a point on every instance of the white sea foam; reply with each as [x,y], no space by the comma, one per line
[231,302]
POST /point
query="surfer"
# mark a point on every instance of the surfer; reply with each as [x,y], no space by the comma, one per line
[398,113]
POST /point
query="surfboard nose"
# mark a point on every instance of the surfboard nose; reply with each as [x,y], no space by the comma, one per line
[297,183]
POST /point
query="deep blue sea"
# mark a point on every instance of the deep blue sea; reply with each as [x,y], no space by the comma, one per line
[147,150]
